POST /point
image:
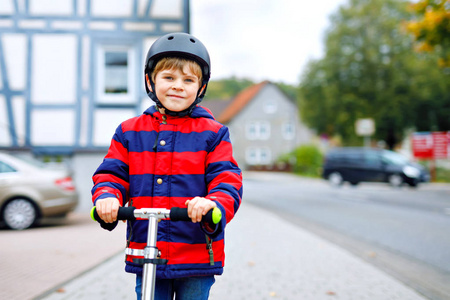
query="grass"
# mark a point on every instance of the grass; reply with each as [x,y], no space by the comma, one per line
[442,175]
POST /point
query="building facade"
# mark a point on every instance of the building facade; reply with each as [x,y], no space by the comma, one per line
[71,70]
[264,124]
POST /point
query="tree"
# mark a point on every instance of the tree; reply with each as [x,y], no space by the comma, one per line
[226,88]
[431,28]
[370,71]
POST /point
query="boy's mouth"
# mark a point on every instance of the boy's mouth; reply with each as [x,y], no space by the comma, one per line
[175,96]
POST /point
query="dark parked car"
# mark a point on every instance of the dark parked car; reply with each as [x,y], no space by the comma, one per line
[371,165]
[30,190]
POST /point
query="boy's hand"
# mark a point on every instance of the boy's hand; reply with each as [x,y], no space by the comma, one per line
[198,207]
[107,209]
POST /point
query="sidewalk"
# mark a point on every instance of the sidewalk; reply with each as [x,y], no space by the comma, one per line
[266,258]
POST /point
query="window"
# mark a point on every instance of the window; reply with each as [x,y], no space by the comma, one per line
[251,131]
[288,131]
[258,156]
[372,158]
[270,106]
[4,168]
[258,130]
[392,158]
[116,71]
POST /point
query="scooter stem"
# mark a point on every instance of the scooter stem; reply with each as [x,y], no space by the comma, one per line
[150,252]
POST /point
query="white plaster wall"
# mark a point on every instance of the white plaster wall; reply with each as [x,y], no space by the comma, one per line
[53,127]
[106,122]
[167,9]
[51,7]
[6,7]
[142,4]
[146,44]
[15,47]
[81,7]
[54,69]
[146,103]
[84,165]
[112,8]
[85,61]
[4,126]
[84,128]
[19,108]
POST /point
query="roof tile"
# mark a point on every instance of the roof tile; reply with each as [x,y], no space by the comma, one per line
[240,101]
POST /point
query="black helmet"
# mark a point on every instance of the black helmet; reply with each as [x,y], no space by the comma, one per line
[178,45]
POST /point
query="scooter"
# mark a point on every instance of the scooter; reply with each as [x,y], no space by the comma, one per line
[151,252]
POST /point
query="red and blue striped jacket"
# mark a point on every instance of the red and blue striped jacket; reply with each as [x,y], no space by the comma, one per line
[161,161]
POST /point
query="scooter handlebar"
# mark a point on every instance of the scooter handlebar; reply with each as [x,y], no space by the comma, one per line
[176,214]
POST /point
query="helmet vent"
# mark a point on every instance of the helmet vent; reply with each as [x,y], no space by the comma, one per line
[192,40]
[170,38]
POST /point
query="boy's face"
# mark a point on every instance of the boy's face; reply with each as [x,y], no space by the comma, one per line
[176,90]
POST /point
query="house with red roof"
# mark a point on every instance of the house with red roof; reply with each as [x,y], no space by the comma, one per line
[264,124]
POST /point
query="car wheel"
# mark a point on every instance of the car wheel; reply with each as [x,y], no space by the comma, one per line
[335,179]
[413,184]
[19,214]
[395,180]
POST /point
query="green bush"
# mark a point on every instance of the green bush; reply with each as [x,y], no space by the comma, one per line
[305,160]
[442,175]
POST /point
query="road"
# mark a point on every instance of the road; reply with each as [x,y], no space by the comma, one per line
[401,230]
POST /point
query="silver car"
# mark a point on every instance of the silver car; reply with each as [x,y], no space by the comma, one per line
[30,191]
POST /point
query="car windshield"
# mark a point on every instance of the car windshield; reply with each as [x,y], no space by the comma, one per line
[393,158]
[5,168]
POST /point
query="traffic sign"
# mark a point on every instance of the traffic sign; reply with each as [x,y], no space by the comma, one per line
[365,127]
[431,145]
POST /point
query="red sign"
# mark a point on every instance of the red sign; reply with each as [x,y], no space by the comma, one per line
[422,145]
[440,144]
[431,145]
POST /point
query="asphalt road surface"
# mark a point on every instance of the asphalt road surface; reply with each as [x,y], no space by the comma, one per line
[401,230]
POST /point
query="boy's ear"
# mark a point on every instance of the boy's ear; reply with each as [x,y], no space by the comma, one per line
[148,83]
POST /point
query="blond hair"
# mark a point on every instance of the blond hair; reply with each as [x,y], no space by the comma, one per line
[177,63]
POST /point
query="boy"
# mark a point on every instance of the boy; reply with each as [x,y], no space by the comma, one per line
[173,155]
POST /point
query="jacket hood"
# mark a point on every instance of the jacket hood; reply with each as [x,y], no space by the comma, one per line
[198,112]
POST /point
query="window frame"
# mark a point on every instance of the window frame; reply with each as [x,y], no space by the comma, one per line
[258,156]
[120,98]
[270,106]
[288,130]
[258,130]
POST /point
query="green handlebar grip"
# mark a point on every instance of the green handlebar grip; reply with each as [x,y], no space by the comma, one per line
[216,215]
[93,213]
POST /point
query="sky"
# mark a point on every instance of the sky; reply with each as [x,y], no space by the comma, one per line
[262,39]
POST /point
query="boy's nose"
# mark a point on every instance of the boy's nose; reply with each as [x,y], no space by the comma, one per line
[177,85]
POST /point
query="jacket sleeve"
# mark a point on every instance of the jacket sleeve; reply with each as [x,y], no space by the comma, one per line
[223,178]
[111,179]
